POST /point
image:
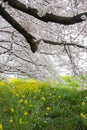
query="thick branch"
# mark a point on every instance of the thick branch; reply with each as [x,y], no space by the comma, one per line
[19,28]
[47,17]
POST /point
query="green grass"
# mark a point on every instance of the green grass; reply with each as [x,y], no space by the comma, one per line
[35,105]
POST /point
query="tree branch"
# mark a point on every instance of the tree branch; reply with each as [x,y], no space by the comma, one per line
[30,39]
[47,17]
[61,43]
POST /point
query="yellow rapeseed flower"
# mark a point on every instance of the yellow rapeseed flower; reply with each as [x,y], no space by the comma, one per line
[21,101]
[43,98]
[25,113]
[1,127]
[34,97]
[82,115]
[20,121]
[11,120]
[50,94]
[59,96]
[12,110]
[85,96]
[23,96]
[83,103]
[17,95]
[26,102]
[39,90]
[30,105]
[46,113]
[48,108]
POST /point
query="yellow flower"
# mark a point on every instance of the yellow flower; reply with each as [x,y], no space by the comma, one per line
[43,98]
[46,113]
[85,96]
[39,90]
[20,121]
[16,95]
[1,127]
[48,108]
[82,115]
[25,113]
[11,120]
[23,96]
[50,94]
[30,105]
[83,103]
[12,110]
[26,102]
[21,100]
[34,97]
[59,96]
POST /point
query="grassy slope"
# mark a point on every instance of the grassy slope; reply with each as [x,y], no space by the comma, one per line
[36,105]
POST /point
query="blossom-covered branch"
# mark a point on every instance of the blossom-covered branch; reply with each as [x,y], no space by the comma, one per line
[48,17]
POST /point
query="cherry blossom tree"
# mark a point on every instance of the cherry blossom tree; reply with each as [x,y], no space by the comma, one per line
[55,31]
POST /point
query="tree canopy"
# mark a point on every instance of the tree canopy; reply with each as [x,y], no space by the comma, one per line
[47,17]
[45,23]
